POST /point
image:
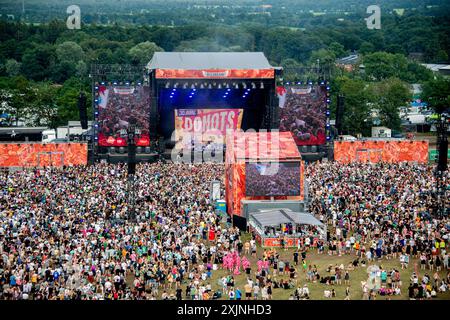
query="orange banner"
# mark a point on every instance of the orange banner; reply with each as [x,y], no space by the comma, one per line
[39,155]
[215,74]
[377,151]
[208,123]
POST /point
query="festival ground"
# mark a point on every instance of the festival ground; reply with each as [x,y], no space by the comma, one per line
[316,289]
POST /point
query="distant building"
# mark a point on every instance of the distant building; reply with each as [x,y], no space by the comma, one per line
[443,69]
[348,63]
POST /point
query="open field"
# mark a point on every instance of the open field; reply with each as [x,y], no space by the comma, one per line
[322,261]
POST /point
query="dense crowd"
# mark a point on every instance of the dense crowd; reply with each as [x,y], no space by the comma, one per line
[384,211]
[64,234]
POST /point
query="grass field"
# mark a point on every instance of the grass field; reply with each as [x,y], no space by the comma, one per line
[322,261]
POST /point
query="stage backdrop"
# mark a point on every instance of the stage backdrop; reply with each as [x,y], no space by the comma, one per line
[303,112]
[39,155]
[208,123]
[376,151]
[119,106]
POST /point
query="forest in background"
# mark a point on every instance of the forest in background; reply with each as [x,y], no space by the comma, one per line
[44,65]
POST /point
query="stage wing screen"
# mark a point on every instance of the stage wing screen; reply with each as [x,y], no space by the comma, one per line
[303,112]
[262,179]
[206,124]
[120,106]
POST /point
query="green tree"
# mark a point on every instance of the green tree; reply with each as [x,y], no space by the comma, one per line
[36,62]
[436,93]
[382,65]
[143,52]
[69,51]
[387,97]
[338,49]
[43,110]
[357,111]
[12,67]
[366,47]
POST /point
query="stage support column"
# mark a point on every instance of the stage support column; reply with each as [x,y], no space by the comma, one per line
[274,122]
[154,115]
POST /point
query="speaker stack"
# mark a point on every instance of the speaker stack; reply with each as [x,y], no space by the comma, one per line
[83,110]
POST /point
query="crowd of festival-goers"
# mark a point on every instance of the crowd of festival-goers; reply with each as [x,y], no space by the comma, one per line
[64,234]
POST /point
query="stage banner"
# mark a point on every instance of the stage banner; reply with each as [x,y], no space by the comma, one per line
[215,74]
[381,151]
[120,106]
[207,123]
[42,154]
[303,112]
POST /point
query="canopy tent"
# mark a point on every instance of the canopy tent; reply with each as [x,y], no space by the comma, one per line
[274,217]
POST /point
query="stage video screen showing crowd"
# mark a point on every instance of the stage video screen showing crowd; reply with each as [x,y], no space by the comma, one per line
[272,179]
[119,107]
[303,112]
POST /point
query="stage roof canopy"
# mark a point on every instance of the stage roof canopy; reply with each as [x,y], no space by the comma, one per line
[209,60]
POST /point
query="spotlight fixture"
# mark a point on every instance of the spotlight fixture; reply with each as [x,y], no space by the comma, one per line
[236,86]
[219,86]
[167,85]
[262,85]
[228,85]
[202,86]
[253,85]
[244,85]
[185,85]
[192,86]
[175,85]
[210,86]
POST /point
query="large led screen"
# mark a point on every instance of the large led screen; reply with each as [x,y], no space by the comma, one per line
[118,107]
[266,179]
[304,113]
